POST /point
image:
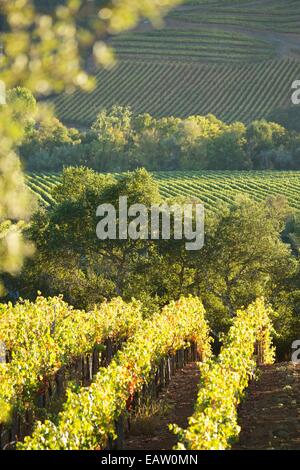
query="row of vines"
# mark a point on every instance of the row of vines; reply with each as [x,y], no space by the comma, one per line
[244,91]
[273,15]
[214,424]
[91,363]
[210,187]
[55,336]
[88,420]
[193,44]
[46,343]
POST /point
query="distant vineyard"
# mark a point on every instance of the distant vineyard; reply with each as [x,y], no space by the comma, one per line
[41,185]
[211,45]
[231,92]
[210,187]
[278,15]
[236,59]
[216,187]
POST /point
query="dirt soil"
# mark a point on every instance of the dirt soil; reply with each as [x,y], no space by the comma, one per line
[270,413]
[181,395]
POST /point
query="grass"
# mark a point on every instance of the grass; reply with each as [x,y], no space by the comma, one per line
[148,416]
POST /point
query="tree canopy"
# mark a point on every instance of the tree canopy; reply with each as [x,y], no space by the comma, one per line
[45,46]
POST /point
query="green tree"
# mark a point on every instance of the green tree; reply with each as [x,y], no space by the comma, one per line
[113,131]
[244,256]
[227,151]
[44,52]
[263,136]
[23,104]
[68,248]
[75,182]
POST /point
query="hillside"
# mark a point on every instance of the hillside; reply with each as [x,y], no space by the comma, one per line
[236,60]
[210,187]
[150,229]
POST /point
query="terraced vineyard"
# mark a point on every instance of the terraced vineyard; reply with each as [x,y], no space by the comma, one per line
[236,60]
[210,187]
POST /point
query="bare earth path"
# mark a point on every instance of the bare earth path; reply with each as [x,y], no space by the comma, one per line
[270,413]
[181,394]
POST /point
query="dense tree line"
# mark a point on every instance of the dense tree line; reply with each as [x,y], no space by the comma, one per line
[119,140]
[287,117]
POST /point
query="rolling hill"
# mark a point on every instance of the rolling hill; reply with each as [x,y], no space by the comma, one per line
[235,59]
[211,187]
